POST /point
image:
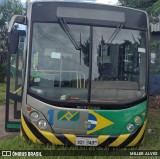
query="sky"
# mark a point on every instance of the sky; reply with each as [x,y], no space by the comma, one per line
[107,1]
[97,1]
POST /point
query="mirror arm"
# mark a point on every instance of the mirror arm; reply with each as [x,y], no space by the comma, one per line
[20,19]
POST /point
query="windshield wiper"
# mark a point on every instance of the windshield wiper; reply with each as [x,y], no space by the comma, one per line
[68,32]
[112,37]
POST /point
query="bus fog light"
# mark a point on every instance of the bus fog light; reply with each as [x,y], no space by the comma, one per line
[130,127]
[144,114]
[34,115]
[42,124]
[137,120]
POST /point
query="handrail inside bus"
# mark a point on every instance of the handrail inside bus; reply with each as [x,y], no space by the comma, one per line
[79,74]
[17,90]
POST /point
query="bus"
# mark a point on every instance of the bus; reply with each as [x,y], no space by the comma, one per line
[84,77]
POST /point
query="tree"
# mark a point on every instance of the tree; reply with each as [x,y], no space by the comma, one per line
[152,7]
[85,49]
[8,8]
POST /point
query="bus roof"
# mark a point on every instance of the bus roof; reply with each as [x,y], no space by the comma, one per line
[133,18]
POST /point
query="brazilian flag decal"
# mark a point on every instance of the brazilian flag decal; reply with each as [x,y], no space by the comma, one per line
[68,115]
[97,122]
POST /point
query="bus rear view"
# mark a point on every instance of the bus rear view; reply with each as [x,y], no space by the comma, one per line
[86,74]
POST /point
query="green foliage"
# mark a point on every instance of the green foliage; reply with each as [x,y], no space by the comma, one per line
[2,93]
[139,4]
[8,8]
[155,45]
[152,7]
[3,57]
[3,60]
[156,67]
[2,73]
[155,9]
[85,49]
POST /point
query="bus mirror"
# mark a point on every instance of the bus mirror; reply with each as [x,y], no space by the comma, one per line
[13,40]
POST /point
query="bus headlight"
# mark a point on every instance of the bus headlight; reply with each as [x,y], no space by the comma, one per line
[34,115]
[137,120]
[130,127]
[42,124]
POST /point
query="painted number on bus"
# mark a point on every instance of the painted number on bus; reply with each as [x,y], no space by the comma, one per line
[50,116]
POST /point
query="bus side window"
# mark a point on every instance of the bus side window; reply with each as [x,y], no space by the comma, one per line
[15,70]
[17,63]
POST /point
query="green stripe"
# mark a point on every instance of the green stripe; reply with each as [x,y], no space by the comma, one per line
[121,118]
[15,126]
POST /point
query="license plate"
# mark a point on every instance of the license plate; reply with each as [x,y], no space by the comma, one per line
[85,141]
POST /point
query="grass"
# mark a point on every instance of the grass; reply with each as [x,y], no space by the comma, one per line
[2,93]
[17,144]
[151,142]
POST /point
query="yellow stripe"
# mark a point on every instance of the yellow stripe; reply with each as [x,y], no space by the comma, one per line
[21,135]
[102,138]
[28,132]
[17,90]
[120,140]
[142,141]
[138,137]
[63,117]
[74,114]
[51,137]
[71,138]
[102,122]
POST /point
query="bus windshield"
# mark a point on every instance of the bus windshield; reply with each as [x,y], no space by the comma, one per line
[107,67]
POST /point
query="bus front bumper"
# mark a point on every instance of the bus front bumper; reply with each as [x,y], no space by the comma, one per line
[29,131]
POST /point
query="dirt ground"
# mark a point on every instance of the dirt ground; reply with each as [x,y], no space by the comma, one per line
[3,133]
[154,102]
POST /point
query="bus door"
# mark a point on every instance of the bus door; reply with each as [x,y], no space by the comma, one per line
[15,78]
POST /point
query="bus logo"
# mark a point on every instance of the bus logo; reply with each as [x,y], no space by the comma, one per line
[68,115]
